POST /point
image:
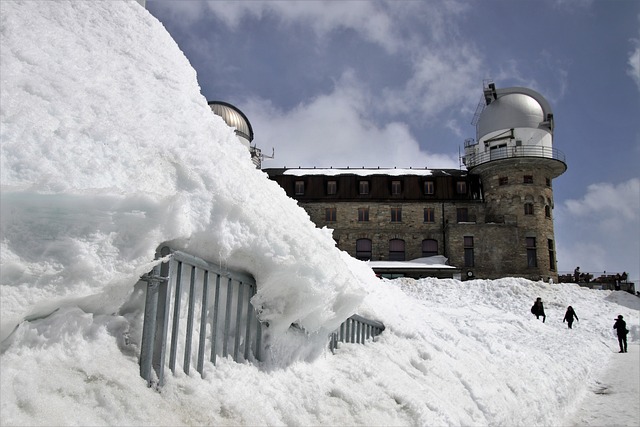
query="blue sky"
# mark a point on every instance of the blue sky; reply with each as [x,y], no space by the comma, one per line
[358,83]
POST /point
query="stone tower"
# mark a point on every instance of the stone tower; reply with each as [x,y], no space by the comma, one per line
[514,157]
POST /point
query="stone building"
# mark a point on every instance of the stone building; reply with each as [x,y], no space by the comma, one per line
[492,219]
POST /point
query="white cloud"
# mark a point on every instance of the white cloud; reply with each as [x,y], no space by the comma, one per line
[601,231]
[369,19]
[335,130]
[634,61]
[441,79]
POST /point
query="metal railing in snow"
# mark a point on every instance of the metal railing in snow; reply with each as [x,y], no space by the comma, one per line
[219,315]
[224,324]
[356,329]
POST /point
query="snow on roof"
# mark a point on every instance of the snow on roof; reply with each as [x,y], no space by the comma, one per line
[434,262]
[360,172]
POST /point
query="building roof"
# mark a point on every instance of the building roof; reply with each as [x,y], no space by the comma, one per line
[365,171]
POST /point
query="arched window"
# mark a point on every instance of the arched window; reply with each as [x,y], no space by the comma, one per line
[396,250]
[429,247]
[363,249]
[528,208]
[547,211]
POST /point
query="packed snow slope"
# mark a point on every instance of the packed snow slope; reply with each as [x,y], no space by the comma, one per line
[109,150]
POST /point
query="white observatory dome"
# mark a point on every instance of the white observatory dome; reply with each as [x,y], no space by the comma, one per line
[514,110]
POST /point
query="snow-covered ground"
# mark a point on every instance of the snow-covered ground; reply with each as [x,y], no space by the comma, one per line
[109,150]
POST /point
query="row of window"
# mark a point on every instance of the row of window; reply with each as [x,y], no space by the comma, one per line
[430,248]
[462,214]
[396,249]
[429,187]
[526,179]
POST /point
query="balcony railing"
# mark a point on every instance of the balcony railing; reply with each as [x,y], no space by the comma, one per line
[513,152]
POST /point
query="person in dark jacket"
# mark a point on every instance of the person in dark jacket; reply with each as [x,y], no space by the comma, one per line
[621,329]
[569,315]
[538,309]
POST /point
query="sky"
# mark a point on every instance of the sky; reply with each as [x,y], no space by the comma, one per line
[396,84]
[90,189]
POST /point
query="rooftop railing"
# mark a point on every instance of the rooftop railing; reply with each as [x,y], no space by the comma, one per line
[514,152]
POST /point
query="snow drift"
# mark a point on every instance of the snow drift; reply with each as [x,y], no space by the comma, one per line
[109,150]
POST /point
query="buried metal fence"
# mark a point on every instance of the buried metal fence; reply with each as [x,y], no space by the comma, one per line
[356,329]
[220,320]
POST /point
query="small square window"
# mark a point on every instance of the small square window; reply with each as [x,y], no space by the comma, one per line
[503,180]
[396,188]
[527,179]
[429,215]
[461,187]
[332,187]
[299,189]
[363,187]
[396,214]
[363,214]
[462,214]
[429,187]
[330,214]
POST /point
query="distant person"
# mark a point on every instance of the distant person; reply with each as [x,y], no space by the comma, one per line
[538,309]
[576,274]
[621,327]
[569,315]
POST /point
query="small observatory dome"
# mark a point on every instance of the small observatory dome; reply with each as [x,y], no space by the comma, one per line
[513,122]
[514,110]
[235,119]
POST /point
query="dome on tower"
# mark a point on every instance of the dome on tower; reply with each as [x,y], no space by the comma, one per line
[234,118]
[514,110]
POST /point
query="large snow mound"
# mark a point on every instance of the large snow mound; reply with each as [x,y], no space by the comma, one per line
[109,149]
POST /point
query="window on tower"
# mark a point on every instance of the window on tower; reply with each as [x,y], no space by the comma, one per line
[532,256]
[552,255]
[528,208]
[527,179]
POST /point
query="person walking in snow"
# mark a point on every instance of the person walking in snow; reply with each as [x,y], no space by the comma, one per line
[538,309]
[569,315]
[621,327]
